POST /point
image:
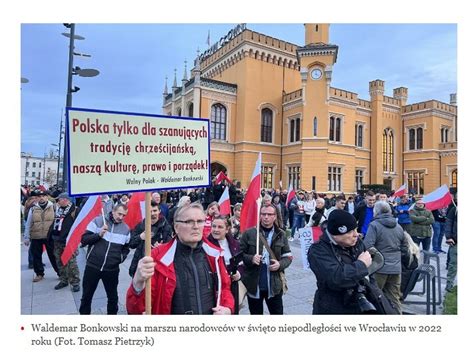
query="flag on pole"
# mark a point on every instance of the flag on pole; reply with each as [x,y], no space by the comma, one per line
[291,195]
[91,209]
[224,202]
[136,209]
[248,216]
[438,198]
[221,176]
[400,191]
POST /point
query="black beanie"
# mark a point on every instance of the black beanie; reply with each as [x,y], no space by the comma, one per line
[341,222]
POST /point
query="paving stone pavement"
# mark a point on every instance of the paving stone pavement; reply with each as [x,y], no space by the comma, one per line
[42,299]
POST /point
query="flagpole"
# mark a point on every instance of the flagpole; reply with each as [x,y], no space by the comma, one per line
[148,250]
[103,215]
[259,202]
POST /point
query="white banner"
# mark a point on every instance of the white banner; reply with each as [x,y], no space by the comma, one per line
[112,152]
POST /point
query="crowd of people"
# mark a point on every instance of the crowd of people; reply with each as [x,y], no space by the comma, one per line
[202,263]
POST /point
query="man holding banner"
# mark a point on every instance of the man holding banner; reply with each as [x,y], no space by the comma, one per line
[188,275]
[263,272]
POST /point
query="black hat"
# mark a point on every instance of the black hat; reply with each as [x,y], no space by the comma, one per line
[341,222]
[37,193]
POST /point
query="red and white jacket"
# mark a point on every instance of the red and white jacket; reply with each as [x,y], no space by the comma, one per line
[163,281]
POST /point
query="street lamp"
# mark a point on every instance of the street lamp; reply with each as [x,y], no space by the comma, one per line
[72,71]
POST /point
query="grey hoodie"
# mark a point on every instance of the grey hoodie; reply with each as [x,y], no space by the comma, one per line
[387,236]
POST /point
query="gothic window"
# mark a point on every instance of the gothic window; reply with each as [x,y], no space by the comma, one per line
[218,122]
[419,138]
[412,139]
[266,125]
[191,110]
[359,128]
[388,151]
[454,178]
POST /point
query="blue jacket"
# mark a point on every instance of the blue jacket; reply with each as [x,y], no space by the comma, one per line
[403,214]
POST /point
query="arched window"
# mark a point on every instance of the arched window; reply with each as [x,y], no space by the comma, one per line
[358,135]
[218,122]
[315,126]
[388,151]
[266,127]
[331,128]
[454,178]
[419,138]
[191,110]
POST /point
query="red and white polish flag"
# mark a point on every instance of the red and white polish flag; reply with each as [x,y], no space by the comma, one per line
[438,198]
[401,191]
[248,216]
[91,209]
[291,195]
[221,176]
[224,202]
[136,210]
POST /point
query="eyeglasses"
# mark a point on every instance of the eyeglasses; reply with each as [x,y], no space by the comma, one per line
[190,223]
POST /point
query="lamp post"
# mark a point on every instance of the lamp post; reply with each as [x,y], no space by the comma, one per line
[72,71]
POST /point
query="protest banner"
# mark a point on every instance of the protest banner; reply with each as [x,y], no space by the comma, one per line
[307,236]
[113,152]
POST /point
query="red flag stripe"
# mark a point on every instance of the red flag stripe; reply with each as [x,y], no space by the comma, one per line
[89,211]
[248,216]
[134,214]
[224,202]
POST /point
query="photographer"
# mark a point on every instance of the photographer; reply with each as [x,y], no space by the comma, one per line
[340,263]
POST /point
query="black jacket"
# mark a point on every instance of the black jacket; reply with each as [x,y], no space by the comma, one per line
[106,253]
[160,232]
[338,272]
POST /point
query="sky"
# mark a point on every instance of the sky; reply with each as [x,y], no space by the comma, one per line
[134,59]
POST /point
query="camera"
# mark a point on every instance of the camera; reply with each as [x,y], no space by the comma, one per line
[358,296]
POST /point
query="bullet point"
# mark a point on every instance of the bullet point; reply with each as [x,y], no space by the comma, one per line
[22,328]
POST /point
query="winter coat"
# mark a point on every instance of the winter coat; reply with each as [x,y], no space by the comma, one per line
[421,222]
[387,237]
[337,271]
[160,232]
[164,280]
[106,253]
[282,252]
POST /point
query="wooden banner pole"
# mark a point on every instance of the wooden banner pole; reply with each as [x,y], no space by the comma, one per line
[148,250]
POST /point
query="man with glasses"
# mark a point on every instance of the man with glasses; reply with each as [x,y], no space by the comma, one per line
[188,274]
[262,271]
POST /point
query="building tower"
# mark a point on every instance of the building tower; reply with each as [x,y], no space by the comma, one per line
[316,59]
